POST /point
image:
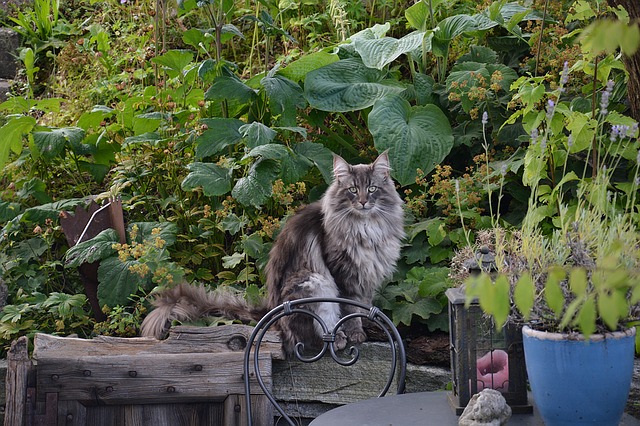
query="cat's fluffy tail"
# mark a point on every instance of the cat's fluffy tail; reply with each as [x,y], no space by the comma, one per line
[186,302]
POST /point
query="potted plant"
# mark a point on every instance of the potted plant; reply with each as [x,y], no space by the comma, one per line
[571,274]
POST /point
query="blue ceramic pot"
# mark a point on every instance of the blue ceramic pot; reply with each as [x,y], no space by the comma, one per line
[576,382]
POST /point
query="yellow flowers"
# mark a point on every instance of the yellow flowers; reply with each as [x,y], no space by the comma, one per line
[141,252]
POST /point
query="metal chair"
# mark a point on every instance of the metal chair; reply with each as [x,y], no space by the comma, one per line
[252,350]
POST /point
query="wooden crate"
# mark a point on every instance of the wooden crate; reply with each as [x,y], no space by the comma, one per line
[195,377]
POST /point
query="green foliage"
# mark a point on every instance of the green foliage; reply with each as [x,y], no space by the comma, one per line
[124,268]
[219,121]
[574,264]
[37,312]
[419,295]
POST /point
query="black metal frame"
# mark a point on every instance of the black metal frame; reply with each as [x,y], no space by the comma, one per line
[398,355]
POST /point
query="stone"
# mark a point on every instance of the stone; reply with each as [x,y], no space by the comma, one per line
[487,408]
[9,43]
[5,87]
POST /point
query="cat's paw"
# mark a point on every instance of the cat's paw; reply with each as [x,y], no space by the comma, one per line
[357,336]
[341,341]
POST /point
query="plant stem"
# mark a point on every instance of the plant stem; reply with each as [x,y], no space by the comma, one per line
[544,18]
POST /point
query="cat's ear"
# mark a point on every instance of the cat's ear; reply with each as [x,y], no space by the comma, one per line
[381,166]
[341,168]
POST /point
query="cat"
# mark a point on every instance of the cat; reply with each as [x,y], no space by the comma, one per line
[344,245]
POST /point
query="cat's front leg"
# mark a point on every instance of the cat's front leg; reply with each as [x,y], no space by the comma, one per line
[353,328]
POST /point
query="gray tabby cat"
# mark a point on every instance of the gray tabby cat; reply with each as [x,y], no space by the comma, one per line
[344,245]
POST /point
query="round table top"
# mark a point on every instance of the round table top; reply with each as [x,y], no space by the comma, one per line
[409,409]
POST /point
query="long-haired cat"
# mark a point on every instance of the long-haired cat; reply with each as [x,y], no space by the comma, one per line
[343,245]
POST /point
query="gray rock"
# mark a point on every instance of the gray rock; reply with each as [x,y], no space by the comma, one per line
[9,43]
[5,87]
[487,408]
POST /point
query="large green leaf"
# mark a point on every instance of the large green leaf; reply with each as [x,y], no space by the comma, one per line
[467,76]
[221,133]
[51,143]
[379,52]
[271,151]
[256,186]
[39,214]
[285,97]
[117,282]
[9,210]
[213,179]
[146,231]
[294,167]
[257,134]
[347,85]
[418,15]
[174,62]
[417,137]
[320,155]
[226,88]
[11,136]
[93,250]
[298,70]
[448,29]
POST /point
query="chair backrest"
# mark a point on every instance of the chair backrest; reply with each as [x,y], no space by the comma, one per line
[252,350]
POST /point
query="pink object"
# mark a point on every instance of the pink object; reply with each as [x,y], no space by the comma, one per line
[493,370]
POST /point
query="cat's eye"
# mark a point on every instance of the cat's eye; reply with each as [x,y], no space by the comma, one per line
[372,189]
[353,189]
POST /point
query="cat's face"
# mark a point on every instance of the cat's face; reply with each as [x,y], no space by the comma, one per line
[364,187]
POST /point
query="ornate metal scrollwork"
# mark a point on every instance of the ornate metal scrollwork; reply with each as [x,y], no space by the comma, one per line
[329,338]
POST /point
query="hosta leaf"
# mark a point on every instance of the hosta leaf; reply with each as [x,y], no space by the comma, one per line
[117,282]
[347,85]
[221,133]
[417,137]
[418,15]
[51,144]
[255,187]
[213,179]
[257,134]
[298,69]
[379,52]
[448,29]
[93,250]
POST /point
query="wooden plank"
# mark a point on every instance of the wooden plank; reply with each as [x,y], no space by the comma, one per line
[235,411]
[147,378]
[181,340]
[19,367]
[194,414]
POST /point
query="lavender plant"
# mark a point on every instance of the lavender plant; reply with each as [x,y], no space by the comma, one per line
[583,274]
